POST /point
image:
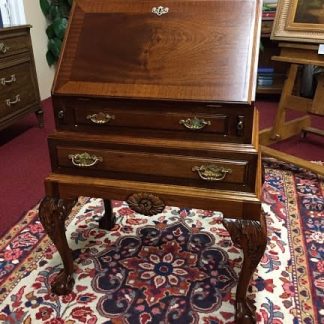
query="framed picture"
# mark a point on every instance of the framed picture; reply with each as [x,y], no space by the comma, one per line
[299,21]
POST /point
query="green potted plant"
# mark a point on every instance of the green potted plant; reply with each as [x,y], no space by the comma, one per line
[57,13]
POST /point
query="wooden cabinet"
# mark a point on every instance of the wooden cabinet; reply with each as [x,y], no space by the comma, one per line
[19,92]
[155,106]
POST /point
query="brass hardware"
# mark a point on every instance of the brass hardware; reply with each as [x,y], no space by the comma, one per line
[4,48]
[194,123]
[12,79]
[84,160]
[101,118]
[211,172]
[240,126]
[160,10]
[13,102]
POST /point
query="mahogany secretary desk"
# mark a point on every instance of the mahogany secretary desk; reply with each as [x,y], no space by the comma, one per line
[154,105]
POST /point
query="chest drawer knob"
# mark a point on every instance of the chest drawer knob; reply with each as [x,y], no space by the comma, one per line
[13,102]
[3,48]
[194,123]
[100,118]
[211,172]
[84,160]
[5,81]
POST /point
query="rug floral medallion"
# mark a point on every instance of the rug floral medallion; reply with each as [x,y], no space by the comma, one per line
[179,266]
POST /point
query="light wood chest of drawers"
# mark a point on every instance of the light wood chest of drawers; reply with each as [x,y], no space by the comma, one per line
[156,107]
[19,93]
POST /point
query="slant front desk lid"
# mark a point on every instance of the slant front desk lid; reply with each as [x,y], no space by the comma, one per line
[197,50]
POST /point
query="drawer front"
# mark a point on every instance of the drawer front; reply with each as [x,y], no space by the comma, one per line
[112,117]
[186,120]
[18,88]
[217,172]
[14,44]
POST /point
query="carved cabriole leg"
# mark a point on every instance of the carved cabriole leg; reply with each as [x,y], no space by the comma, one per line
[251,236]
[52,214]
[107,221]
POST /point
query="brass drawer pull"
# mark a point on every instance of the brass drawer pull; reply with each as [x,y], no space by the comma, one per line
[84,160]
[101,118]
[4,48]
[159,11]
[194,123]
[13,102]
[211,172]
[12,79]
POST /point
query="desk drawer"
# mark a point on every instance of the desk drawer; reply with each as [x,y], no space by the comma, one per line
[146,164]
[183,120]
[116,117]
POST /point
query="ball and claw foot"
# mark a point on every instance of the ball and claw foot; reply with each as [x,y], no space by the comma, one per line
[245,311]
[53,212]
[62,284]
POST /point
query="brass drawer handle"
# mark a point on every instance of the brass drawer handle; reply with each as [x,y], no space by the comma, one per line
[84,160]
[4,48]
[12,79]
[211,172]
[159,11]
[194,123]
[101,118]
[13,102]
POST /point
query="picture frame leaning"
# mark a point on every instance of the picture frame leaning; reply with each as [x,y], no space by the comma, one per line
[299,21]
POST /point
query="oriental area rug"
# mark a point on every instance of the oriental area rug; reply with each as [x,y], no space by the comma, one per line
[176,267]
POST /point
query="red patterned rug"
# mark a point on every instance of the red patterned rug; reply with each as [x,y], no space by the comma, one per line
[178,266]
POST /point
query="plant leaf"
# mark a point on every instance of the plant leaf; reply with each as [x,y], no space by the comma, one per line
[50,58]
[45,6]
[59,26]
[54,12]
[57,12]
[50,31]
[54,45]
[64,8]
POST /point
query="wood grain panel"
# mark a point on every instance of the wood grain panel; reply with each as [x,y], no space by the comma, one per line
[152,164]
[156,118]
[240,205]
[127,160]
[181,55]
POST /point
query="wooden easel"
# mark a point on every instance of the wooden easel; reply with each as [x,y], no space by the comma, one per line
[295,54]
